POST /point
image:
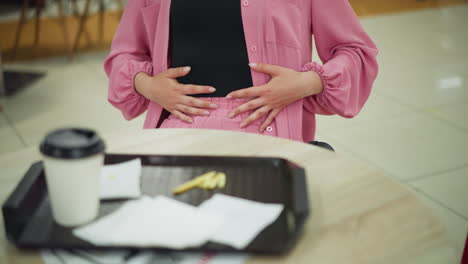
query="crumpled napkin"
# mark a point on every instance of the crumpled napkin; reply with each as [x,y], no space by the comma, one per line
[121,180]
[148,222]
[164,222]
[137,257]
[243,219]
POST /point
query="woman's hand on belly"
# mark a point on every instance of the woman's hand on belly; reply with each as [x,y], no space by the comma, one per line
[285,87]
[173,96]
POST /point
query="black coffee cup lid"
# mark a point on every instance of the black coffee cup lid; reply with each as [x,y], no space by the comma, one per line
[72,143]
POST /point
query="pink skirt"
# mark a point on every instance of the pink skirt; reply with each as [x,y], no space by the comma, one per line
[218,118]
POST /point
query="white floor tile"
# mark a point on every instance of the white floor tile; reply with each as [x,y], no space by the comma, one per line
[339,148]
[9,141]
[377,107]
[422,55]
[74,95]
[409,146]
[42,64]
[448,188]
[457,226]
[10,163]
[94,58]
[457,114]
[423,87]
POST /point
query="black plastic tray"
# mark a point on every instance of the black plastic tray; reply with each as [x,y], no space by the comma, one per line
[29,223]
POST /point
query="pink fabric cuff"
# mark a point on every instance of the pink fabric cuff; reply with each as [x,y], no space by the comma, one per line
[318,68]
[135,67]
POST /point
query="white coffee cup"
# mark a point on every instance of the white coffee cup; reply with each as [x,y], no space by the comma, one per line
[73,159]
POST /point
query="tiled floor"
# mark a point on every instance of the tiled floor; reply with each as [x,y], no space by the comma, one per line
[414,127]
[9,141]
[70,94]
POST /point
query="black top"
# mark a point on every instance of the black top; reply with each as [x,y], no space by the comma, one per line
[208,36]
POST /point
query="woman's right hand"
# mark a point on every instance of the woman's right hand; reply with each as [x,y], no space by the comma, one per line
[173,96]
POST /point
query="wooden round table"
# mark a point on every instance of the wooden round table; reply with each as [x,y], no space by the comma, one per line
[358,214]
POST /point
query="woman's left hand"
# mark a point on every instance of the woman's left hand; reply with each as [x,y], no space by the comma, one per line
[285,87]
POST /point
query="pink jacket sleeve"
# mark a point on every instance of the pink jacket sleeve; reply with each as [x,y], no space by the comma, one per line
[129,55]
[349,58]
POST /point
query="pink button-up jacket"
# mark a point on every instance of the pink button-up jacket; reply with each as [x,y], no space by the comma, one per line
[276,32]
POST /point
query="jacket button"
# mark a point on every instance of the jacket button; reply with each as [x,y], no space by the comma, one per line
[269,129]
[253,48]
[245,3]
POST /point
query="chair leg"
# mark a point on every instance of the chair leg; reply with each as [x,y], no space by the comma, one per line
[101,20]
[76,13]
[39,6]
[63,21]
[83,19]
[21,22]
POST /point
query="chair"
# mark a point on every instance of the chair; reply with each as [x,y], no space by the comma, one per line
[85,16]
[81,28]
[39,8]
[322,145]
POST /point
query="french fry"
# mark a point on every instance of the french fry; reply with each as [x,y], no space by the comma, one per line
[221,180]
[206,183]
[213,181]
[196,182]
[187,186]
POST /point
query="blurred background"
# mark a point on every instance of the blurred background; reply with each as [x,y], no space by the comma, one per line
[414,126]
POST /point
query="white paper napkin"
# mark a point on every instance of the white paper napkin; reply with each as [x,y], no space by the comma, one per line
[147,222]
[163,222]
[201,258]
[83,257]
[243,219]
[141,257]
[121,180]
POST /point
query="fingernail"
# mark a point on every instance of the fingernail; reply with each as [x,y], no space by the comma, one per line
[242,125]
[228,96]
[186,69]
[206,112]
[213,106]
[211,89]
[190,121]
[231,115]
[253,64]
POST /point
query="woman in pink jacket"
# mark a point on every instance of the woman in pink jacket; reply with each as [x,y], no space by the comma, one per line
[242,65]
